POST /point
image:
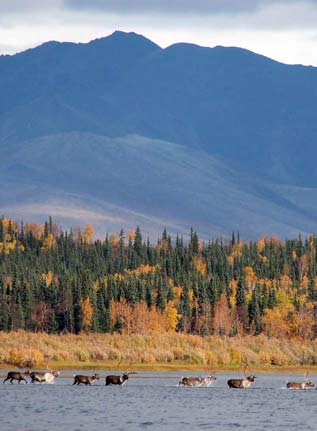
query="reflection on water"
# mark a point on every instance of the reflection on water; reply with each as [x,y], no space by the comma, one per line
[158,404]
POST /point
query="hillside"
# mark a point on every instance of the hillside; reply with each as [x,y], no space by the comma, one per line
[121,132]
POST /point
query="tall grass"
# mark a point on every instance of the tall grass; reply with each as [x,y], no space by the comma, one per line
[25,349]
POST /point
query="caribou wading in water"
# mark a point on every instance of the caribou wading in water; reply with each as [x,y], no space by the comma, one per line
[242,383]
[85,380]
[201,382]
[16,375]
[118,380]
[307,384]
[300,385]
[44,377]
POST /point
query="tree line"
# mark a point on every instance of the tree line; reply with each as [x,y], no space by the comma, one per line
[65,281]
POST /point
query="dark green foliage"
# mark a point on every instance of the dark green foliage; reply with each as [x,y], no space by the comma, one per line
[254,311]
[106,271]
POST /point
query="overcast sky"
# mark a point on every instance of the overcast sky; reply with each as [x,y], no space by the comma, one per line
[285,30]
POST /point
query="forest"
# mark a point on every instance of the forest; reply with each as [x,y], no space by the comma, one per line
[61,282]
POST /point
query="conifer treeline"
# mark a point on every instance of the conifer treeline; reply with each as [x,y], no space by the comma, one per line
[57,281]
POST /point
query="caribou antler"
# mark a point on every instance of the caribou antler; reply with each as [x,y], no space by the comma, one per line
[245,365]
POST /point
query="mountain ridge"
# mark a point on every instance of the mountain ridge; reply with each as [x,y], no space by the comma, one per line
[254,115]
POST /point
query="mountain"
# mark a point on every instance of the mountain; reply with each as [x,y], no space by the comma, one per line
[120,132]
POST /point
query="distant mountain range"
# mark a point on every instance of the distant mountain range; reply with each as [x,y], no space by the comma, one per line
[120,132]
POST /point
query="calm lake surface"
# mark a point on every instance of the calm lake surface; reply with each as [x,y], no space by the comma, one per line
[158,404]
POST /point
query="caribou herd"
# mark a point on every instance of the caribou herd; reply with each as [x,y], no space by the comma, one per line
[119,380]
[49,377]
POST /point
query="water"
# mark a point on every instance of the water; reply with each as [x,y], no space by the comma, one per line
[158,404]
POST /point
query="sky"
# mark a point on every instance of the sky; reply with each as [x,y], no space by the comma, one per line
[284,30]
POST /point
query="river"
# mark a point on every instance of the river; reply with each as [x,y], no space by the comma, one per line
[153,401]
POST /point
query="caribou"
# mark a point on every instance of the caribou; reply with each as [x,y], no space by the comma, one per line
[307,384]
[44,377]
[300,385]
[200,382]
[241,383]
[85,380]
[118,380]
[16,375]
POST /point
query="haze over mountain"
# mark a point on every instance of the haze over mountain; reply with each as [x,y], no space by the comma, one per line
[120,132]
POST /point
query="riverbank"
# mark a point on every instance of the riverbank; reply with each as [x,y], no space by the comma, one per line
[155,352]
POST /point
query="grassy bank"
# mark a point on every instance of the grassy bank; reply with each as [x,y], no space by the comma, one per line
[155,352]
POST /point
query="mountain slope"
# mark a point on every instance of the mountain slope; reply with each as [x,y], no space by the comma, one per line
[124,132]
[117,182]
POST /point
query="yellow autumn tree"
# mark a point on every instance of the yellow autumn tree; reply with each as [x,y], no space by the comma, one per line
[48,242]
[88,233]
[223,316]
[172,316]
[131,234]
[277,321]
[200,265]
[48,278]
[87,313]
[250,276]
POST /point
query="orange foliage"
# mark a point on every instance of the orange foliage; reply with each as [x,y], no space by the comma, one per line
[87,312]
[6,223]
[163,245]
[48,278]
[231,259]
[276,322]
[223,317]
[143,269]
[250,276]
[286,282]
[48,242]
[200,265]
[284,321]
[140,319]
[264,259]
[131,234]
[261,244]
[88,233]
[274,240]
[237,249]
[35,228]
[172,317]
[114,240]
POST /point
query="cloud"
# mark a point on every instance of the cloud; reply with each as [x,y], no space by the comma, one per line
[162,7]
[281,29]
[20,7]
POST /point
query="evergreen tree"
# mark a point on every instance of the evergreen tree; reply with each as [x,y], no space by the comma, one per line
[254,312]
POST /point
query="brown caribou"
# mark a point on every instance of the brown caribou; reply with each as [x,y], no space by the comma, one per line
[307,384]
[16,375]
[42,377]
[242,383]
[85,380]
[118,380]
[300,385]
[197,381]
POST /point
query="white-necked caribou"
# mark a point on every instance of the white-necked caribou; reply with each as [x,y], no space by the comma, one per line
[307,384]
[244,383]
[118,380]
[44,377]
[241,383]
